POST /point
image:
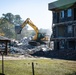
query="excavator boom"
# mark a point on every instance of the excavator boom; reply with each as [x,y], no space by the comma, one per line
[38,36]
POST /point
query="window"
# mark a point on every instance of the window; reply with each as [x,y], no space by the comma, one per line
[69,29]
[62,14]
[69,12]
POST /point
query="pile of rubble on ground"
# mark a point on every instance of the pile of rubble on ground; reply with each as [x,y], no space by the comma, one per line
[22,47]
[43,51]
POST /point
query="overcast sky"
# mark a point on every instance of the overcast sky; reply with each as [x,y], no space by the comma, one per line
[36,10]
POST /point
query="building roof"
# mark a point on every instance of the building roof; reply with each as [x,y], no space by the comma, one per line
[61,4]
[4,39]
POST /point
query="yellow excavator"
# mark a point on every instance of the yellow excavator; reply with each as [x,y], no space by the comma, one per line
[38,39]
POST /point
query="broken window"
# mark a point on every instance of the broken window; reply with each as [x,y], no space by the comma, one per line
[70,29]
[71,44]
[61,31]
[62,44]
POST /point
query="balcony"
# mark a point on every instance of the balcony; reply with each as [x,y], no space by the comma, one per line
[65,23]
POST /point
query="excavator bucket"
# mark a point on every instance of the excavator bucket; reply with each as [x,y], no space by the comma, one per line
[18,29]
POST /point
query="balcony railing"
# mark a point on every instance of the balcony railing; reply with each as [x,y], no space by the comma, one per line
[65,23]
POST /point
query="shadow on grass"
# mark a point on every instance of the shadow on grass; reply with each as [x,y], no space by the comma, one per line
[2,74]
[57,54]
[74,73]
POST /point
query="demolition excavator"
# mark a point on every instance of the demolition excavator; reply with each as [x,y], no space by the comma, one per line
[38,39]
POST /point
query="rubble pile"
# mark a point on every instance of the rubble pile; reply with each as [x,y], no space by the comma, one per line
[22,47]
[15,50]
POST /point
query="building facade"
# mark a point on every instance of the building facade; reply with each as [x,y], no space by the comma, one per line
[63,24]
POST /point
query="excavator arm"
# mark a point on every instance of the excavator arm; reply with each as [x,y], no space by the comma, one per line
[18,29]
[38,38]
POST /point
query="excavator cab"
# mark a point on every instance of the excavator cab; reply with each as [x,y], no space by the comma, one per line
[38,41]
[40,36]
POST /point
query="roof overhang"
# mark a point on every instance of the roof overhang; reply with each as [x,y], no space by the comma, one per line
[61,4]
[2,38]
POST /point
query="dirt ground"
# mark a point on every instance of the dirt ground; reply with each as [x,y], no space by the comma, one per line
[13,58]
[21,57]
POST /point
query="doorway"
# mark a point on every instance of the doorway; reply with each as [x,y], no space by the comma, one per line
[74,13]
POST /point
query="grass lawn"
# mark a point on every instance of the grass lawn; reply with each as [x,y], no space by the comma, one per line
[42,67]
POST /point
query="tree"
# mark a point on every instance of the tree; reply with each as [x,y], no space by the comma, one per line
[1,31]
[9,17]
[17,20]
[8,22]
[7,28]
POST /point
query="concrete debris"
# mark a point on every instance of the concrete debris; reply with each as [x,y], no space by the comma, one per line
[15,50]
[22,47]
[27,50]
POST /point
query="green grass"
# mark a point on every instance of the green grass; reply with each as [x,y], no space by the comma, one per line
[42,67]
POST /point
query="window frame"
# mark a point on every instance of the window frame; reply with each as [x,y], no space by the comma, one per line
[69,12]
[62,14]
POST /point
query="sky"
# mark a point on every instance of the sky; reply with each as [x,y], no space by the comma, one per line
[36,10]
